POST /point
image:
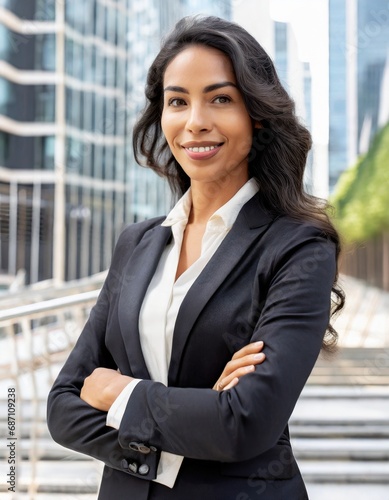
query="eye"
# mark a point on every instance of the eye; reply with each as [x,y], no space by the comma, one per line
[176,101]
[222,99]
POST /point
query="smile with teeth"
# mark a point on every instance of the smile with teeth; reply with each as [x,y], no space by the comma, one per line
[203,149]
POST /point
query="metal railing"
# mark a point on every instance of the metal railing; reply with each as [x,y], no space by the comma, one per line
[35,340]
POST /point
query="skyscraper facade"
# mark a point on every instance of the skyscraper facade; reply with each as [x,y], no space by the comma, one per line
[296,77]
[358,56]
[338,137]
[373,57]
[72,76]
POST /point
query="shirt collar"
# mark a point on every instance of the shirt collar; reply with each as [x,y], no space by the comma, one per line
[181,210]
[227,214]
[230,210]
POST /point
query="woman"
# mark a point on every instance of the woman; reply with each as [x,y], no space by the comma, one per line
[245,260]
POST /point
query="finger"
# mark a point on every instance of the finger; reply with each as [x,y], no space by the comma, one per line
[249,349]
[235,364]
[241,366]
[232,384]
[240,372]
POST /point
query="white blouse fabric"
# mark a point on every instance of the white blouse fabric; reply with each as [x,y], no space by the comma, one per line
[163,299]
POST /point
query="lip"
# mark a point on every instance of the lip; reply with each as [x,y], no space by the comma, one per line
[204,155]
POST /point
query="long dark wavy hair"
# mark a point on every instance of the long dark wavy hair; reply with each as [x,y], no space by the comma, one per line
[279,151]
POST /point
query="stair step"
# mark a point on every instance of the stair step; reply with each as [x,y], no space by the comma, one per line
[338,431]
[58,477]
[352,366]
[345,449]
[70,496]
[354,491]
[345,392]
[64,496]
[353,410]
[355,353]
[46,449]
[23,429]
[338,471]
[329,379]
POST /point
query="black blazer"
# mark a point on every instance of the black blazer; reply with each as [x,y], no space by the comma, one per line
[269,280]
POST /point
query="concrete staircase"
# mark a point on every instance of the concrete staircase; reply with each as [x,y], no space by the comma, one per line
[339,431]
[340,427]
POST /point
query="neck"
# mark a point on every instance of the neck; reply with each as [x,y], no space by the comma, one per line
[209,197]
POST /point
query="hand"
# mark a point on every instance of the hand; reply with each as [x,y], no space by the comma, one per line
[242,363]
[102,387]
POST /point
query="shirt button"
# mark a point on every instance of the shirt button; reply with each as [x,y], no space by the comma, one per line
[144,469]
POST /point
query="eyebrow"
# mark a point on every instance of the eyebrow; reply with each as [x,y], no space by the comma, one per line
[208,88]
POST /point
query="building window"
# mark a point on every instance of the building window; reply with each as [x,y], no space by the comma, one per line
[44,150]
[4,149]
[77,15]
[27,103]
[15,48]
[45,52]
[45,103]
[45,10]
[5,95]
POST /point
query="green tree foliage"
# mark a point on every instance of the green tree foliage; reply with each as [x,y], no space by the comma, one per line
[361,199]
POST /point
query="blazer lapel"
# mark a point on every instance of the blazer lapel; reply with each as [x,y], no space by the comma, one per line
[136,278]
[251,222]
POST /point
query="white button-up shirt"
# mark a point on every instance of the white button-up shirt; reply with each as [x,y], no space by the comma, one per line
[163,299]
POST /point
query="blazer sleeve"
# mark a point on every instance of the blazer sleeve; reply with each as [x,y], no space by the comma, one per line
[293,290]
[72,422]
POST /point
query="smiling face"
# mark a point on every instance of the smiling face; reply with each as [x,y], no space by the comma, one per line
[204,118]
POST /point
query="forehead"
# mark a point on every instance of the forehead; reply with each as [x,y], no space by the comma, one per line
[199,62]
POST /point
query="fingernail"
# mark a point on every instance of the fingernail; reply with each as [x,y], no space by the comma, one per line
[259,344]
[250,368]
[258,356]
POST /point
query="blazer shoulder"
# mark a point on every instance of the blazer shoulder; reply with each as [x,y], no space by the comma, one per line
[299,228]
[287,235]
[130,236]
[133,232]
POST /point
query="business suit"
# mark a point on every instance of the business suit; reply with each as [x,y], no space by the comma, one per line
[269,280]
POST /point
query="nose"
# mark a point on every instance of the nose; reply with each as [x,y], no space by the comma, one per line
[199,119]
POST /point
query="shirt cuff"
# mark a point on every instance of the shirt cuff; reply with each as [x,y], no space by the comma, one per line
[169,464]
[168,469]
[116,412]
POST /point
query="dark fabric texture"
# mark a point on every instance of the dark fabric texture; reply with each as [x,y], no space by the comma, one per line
[269,280]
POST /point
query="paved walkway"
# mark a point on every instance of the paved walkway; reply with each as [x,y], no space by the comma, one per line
[364,322]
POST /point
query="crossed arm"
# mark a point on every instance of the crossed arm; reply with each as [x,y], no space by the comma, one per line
[240,423]
[104,385]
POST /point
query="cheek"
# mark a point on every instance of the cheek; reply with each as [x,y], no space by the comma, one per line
[169,127]
[244,142]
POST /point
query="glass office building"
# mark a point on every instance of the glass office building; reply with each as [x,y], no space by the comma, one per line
[358,54]
[373,55]
[338,123]
[72,76]
[296,78]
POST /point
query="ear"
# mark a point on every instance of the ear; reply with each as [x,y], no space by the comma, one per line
[258,125]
